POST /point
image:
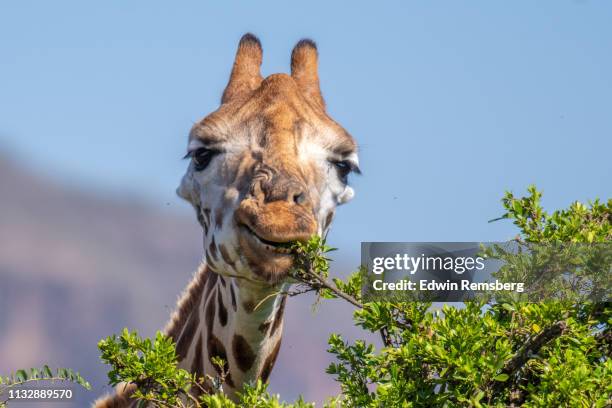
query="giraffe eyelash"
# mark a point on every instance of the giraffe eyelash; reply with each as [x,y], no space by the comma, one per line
[344,168]
[192,153]
[349,165]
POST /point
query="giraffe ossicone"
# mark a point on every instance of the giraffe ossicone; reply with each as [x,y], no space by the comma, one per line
[267,168]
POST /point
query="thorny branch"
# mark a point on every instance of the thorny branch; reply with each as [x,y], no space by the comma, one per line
[530,348]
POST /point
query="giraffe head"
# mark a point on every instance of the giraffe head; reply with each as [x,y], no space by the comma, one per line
[268,167]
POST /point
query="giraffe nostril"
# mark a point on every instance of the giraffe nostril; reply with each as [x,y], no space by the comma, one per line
[299,198]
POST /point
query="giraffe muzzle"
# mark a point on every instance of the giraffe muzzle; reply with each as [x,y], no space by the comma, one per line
[279,247]
[276,223]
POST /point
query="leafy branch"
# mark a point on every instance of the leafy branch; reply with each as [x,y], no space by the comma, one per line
[44,374]
[150,365]
[150,368]
[528,350]
[312,270]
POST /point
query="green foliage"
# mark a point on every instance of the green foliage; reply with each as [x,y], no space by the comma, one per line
[489,354]
[578,223]
[152,366]
[557,256]
[149,364]
[495,352]
[311,256]
[255,396]
[44,374]
[463,357]
[352,285]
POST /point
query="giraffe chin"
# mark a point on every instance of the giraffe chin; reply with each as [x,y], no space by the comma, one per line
[269,260]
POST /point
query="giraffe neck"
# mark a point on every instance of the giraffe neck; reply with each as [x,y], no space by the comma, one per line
[235,319]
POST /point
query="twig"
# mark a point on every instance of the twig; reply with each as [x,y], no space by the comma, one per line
[328,285]
[159,402]
[300,292]
[384,334]
[194,399]
[29,380]
[530,348]
[290,293]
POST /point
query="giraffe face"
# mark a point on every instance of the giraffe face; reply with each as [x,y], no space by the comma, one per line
[268,167]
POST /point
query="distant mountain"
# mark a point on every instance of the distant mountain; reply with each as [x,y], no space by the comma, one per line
[76,267]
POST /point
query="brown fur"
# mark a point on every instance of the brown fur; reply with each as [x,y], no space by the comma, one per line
[121,398]
[245,73]
[190,299]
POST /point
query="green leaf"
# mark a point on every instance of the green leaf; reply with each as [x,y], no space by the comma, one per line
[47,371]
[501,377]
[21,375]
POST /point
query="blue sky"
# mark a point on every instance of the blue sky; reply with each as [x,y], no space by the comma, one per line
[451,102]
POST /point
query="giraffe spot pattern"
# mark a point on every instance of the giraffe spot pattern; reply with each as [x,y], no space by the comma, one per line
[198,368]
[229,381]
[216,349]
[218,218]
[264,327]
[204,218]
[248,306]
[211,281]
[278,316]
[185,340]
[243,353]
[197,365]
[226,256]
[210,262]
[210,315]
[233,295]
[213,249]
[259,271]
[222,309]
[199,215]
[268,364]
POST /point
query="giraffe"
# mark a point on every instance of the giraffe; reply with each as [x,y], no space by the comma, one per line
[267,168]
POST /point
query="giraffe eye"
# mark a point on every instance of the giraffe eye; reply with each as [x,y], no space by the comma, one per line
[202,157]
[343,167]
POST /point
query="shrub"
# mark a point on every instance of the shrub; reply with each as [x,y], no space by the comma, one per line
[487,353]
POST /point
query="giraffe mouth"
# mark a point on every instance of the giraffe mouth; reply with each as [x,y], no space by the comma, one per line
[281,247]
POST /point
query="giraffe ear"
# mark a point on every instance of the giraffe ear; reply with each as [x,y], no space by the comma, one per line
[245,75]
[304,70]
